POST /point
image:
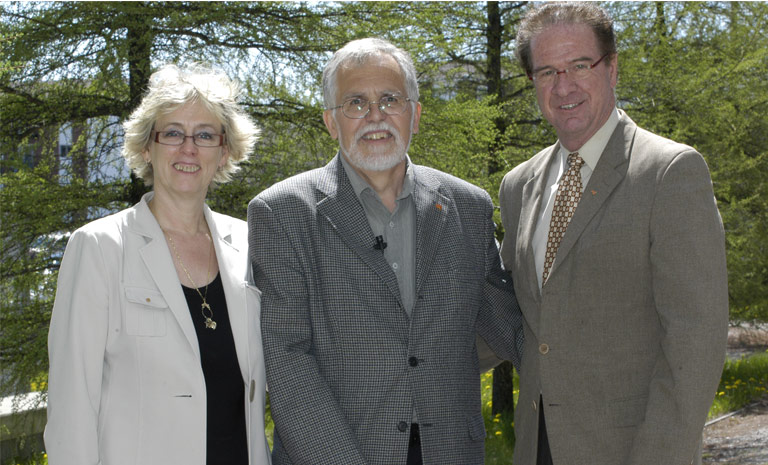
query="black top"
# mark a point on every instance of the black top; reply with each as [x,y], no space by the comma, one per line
[226,442]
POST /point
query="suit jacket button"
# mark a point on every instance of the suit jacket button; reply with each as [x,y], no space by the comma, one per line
[534,405]
[402,426]
[544,349]
[413,361]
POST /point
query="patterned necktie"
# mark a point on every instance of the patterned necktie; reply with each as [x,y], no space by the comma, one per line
[566,200]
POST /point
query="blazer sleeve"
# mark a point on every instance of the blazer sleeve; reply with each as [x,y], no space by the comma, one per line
[500,321]
[76,344]
[690,292]
[309,422]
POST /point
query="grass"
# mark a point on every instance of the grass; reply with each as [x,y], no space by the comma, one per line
[500,430]
[743,381]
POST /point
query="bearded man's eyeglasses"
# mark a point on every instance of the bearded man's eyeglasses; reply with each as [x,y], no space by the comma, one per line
[358,107]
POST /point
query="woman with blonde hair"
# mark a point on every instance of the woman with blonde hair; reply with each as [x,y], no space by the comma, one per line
[154,345]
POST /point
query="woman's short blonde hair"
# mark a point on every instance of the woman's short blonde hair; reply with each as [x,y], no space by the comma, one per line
[172,87]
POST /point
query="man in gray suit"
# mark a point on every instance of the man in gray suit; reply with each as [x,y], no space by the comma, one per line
[376,275]
[616,250]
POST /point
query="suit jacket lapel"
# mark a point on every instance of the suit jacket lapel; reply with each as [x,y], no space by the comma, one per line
[342,209]
[157,258]
[232,271]
[533,190]
[610,170]
[432,210]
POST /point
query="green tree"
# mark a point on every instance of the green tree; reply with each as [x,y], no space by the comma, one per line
[87,64]
[696,73]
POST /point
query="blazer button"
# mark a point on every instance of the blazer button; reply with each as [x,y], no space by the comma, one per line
[534,405]
[253,390]
[544,349]
[402,427]
[413,361]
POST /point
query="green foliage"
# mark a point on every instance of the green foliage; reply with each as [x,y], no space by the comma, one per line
[698,75]
[743,194]
[36,459]
[42,212]
[446,142]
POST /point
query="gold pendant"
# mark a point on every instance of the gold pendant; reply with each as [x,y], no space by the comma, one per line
[210,324]
[205,305]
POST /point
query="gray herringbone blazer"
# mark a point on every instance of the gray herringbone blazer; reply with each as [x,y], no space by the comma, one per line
[345,364]
[626,341]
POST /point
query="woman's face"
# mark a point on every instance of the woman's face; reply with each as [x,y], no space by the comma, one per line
[186,169]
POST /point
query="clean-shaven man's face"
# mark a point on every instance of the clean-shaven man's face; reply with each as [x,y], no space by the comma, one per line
[577,109]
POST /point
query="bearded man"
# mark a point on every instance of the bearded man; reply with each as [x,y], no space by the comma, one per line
[376,275]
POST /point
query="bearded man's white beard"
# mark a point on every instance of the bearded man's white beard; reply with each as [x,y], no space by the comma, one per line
[376,161]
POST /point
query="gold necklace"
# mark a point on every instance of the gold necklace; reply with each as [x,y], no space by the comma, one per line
[209,323]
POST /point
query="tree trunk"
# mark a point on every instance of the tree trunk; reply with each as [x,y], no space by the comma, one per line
[140,39]
[493,34]
[503,397]
[503,390]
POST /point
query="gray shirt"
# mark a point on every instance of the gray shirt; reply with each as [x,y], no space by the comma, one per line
[398,229]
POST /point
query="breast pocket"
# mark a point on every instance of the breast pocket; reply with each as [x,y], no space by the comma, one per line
[145,312]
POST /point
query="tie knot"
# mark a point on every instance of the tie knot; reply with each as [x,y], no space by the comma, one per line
[575,159]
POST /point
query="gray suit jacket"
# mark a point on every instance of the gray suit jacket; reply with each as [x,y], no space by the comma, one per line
[626,341]
[345,364]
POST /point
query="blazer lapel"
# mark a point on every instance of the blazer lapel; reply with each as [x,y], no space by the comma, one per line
[533,190]
[232,270]
[342,209]
[432,210]
[157,258]
[609,172]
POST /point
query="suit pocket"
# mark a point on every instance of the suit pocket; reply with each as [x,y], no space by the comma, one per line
[145,312]
[476,427]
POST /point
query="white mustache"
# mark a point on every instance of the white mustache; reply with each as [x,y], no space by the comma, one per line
[380,126]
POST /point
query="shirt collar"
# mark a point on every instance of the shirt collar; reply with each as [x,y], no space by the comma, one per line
[359,185]
[591,151]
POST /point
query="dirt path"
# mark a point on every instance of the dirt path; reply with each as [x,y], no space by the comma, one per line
[741,439]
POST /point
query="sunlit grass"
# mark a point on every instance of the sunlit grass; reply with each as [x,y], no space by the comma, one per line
[500,430]
[743,381]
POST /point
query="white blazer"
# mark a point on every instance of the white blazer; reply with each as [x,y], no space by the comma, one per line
[125,385]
